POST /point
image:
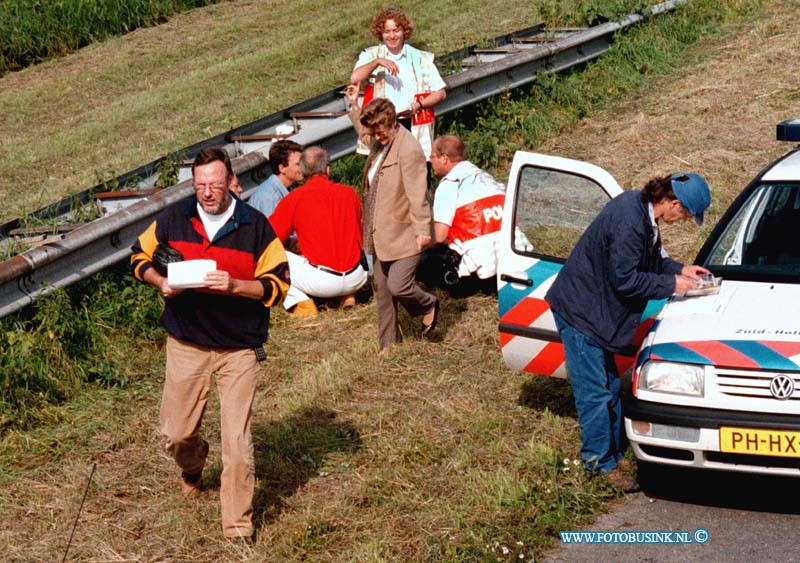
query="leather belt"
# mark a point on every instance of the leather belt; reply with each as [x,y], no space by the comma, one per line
[335,272]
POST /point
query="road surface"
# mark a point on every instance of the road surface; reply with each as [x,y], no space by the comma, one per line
[747,518]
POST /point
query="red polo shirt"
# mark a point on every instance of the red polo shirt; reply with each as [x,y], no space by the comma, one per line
[327,219]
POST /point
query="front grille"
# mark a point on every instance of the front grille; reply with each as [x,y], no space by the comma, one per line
[754,384]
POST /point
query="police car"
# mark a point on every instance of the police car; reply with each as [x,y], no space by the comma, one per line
[715,377]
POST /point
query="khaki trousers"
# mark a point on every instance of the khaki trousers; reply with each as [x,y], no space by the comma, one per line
[394,283]
[186,388]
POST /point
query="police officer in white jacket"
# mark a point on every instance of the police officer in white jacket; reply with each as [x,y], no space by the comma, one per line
[467,209]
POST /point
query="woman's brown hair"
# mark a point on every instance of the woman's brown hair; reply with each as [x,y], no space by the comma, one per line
[400,18]
[379,112]
[659,188]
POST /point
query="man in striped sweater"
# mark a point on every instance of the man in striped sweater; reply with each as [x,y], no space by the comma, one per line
[215,325]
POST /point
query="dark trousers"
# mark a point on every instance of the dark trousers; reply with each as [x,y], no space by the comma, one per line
[394,283]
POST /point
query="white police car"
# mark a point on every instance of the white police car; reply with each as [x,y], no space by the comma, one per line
[714,381]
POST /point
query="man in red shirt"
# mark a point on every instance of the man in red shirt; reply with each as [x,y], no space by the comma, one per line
[326,218]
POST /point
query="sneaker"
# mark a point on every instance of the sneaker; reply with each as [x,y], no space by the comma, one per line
[304,310]
[622,480]
[347,301]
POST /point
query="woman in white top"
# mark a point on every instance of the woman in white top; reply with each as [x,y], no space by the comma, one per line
[406,76]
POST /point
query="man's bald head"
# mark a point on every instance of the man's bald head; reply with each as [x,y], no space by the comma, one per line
[451,146]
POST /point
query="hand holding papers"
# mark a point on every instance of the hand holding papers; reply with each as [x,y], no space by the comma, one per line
[189,273]
[709,285]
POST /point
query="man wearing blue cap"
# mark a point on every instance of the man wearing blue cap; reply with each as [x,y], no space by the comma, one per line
[599,295]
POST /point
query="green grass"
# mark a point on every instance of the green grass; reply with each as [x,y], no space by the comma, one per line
[32,31]
[75,337]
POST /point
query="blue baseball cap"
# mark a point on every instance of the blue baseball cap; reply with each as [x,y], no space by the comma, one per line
[693,193]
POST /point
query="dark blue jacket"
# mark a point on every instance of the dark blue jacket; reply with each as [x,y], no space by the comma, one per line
[614,270]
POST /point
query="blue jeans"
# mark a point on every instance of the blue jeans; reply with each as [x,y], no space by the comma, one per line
[595,387]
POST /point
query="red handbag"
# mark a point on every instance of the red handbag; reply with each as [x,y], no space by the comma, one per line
[424,115]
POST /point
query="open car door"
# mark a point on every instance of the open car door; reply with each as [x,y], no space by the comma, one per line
[550,201]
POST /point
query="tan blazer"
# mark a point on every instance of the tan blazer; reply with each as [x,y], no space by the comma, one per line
[402,209]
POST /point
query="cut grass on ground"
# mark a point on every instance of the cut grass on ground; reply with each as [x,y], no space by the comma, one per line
[424,455]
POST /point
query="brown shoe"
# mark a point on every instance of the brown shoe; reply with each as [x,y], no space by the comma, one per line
[347,301]
[625,465]
[304,310]
[622,480]
[192,483]
[242,541]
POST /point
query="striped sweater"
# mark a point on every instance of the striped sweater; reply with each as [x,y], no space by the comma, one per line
[246,247]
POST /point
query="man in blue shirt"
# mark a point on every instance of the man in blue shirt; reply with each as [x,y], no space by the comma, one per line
[284,160]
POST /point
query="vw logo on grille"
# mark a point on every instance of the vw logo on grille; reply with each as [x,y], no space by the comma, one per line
[781,387]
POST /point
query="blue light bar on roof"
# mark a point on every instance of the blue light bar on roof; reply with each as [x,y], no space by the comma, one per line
[789,130]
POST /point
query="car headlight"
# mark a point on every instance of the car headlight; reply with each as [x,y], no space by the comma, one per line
[670,377]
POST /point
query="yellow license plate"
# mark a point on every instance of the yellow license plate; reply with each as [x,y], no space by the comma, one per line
[755,441]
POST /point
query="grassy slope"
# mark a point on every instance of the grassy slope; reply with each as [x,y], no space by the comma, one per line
[70,123]
[718,117]
[437,453]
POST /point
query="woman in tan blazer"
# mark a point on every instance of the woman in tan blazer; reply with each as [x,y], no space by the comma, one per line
[397,215]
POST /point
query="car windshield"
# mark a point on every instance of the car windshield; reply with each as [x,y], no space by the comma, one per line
[763,238]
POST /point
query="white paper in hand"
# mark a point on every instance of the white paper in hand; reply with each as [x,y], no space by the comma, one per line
[189,273]
[709,285]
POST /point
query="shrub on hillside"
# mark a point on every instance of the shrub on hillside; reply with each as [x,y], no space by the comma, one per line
[73,337]
[35,30]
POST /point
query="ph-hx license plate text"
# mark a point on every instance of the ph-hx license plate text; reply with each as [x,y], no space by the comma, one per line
[758,441]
